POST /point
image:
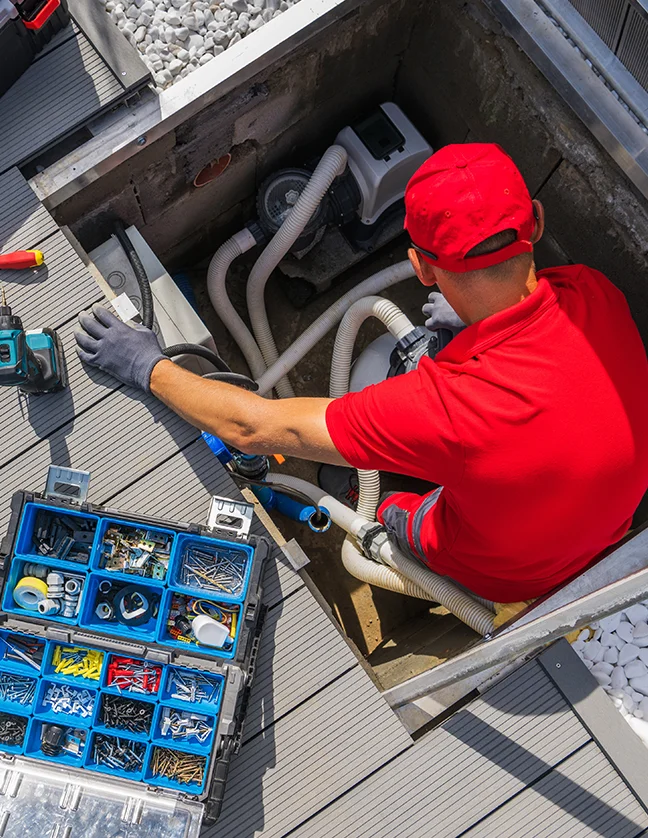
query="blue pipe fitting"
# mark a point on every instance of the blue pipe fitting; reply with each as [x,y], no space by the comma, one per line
[318,521]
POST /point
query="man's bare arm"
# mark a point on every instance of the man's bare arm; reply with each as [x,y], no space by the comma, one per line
[254,425]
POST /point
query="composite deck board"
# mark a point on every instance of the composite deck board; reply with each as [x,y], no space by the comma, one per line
[315,753]
[24,221]
[298,656]
[581,797]
[459,773]
[58,94]
[54,293]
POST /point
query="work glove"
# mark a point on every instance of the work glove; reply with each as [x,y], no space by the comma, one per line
[128,353]
[441,315]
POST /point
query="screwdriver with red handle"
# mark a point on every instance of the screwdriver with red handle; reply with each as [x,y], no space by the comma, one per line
[21,259]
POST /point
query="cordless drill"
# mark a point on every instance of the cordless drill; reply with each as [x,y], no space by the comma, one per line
[32,360]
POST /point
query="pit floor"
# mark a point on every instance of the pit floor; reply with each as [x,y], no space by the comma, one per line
[398,635]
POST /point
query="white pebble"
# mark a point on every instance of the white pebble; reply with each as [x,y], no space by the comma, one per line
[624,631]
[594,651]
[635,669]
[602,677]
[643,655]
[628,703]
[618,678]
[640,684]
[637,613]
[607,639]
[610,623]
[603,667]
[205,59]
[175,66]
[628,653]
[640,634]
[611,655]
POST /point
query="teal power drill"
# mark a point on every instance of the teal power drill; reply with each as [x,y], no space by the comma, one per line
[32,361]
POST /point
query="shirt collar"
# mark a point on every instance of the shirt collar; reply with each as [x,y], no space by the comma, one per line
[498,327]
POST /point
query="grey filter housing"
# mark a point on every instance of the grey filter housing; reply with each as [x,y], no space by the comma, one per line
[384,152]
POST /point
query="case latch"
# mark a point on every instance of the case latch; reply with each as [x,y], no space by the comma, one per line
[232,517]
[68,484]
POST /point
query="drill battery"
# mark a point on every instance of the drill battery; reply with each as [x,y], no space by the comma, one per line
[26,26]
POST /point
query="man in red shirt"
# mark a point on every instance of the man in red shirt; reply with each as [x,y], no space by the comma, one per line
[532,420]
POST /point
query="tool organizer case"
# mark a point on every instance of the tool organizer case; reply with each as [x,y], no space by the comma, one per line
[26,26]
[173,662]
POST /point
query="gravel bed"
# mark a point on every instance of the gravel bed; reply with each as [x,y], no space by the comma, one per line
[615,650]
[175,37]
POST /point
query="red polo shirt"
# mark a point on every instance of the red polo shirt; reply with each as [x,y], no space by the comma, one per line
[535,422]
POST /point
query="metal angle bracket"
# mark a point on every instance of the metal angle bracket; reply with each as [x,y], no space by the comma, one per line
[232,517]
[67,484]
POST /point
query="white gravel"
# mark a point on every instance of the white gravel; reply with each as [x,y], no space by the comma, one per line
[615,650]
[175,37]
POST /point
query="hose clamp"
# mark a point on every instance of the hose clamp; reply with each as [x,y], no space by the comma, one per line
[408,351]
[372,538]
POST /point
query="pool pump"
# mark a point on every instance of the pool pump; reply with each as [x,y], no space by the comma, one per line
[362,210]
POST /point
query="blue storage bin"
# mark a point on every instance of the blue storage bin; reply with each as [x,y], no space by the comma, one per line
[207,683]
[138,749]
[93,597]
[155,779]
[17,572]
[171,598]
[76,695]
[22,696]
[106,698]
[99,557]
[155,677]
[33,746]
[26,542]
[23,720]
[182,579]
[68,652]
[190,743]
[12,642]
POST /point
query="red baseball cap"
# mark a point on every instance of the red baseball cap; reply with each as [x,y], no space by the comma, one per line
[461,195]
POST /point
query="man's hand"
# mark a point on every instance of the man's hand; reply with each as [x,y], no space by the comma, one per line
[441,315]
[128,353]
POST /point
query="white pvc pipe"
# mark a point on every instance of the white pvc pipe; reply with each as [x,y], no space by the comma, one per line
[216,285]
[437,588]
[325,322]
[399,325]
[332,164]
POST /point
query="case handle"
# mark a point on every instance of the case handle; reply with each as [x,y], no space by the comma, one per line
[43,16]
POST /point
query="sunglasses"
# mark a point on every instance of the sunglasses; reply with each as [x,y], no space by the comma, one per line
[422,250]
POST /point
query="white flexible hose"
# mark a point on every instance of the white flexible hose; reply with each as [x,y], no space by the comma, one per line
[399,325]
[437,588]
[325,322]
[332,164]
[384,310]
[440,589]
[377,574]
[216,285]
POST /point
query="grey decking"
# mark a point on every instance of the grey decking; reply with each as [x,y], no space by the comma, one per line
[516,762]
[68,85]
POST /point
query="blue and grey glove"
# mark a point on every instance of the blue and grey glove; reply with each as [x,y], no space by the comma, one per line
[441,315]
[128,353]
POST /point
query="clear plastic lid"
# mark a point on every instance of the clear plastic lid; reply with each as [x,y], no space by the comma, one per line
[37,801]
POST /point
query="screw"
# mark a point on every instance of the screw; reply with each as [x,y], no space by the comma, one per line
[141,141]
